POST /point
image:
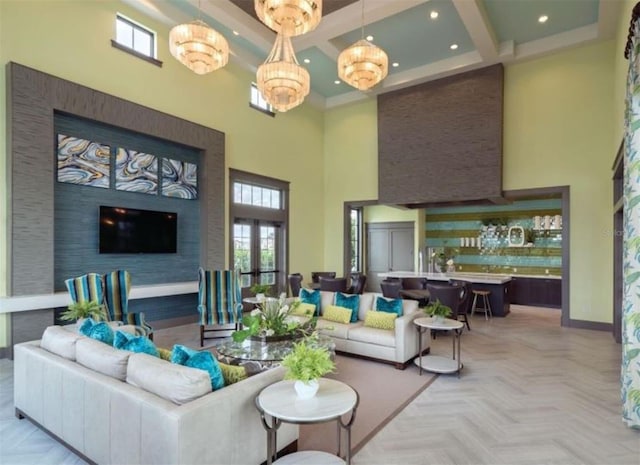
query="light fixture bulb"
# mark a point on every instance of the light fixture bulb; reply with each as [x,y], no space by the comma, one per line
[543,19]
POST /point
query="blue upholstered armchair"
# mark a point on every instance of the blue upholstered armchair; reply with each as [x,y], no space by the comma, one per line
[117,285]
[219,301]
[86,288]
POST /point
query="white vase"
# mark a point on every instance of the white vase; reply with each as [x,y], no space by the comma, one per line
[306,390]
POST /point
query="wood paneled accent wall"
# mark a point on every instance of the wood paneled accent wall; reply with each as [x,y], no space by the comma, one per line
[441,141]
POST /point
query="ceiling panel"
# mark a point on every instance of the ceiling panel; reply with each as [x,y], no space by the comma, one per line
[518,20]
[405,30]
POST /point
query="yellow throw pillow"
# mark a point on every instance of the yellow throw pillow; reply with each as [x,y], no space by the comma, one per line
[165,354]
[304,309]
[232,373]
[337,314]
[380,320]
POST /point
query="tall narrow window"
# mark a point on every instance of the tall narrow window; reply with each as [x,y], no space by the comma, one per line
[355,215]
[258,102]
[259,219]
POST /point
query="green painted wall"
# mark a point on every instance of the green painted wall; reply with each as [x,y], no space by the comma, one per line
[288,147]
[557,131]
[552,136]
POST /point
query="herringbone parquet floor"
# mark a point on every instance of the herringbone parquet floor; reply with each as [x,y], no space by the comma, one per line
[531,392]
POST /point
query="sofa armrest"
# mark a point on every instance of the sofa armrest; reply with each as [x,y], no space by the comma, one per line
[407,336]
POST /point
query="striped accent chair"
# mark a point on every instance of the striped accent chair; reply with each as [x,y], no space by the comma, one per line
[117,285]
[86,288]
[219,302]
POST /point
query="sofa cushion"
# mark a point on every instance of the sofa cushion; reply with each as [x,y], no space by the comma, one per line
[312,297]
[351,301]
[389,305]
[303,309]
[175,383]
[201,360]
[232,373]
[380,337]
[100,357]
[333,329]
[60,341]
[326,298]
[337,314]
[380,320]
[138,344]
[98,330]
[366,304]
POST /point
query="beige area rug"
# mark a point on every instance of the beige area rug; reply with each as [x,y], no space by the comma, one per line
[384,391]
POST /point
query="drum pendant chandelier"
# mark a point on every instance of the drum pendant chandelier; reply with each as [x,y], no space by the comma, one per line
[281,80]
[363,65]
[198,47]
[291,17]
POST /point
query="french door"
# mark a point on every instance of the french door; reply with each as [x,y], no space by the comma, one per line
[257,254]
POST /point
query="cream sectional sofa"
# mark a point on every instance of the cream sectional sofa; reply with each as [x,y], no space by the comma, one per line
[98,401]
[399,346]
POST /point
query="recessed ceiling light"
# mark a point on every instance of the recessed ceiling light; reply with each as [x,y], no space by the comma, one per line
[543,19]
[336,81]
[236,33]
[433,14]
[306,60]
[453,46]
[369,38]
[395,65]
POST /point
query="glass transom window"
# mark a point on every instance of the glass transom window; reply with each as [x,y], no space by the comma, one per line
[247,194]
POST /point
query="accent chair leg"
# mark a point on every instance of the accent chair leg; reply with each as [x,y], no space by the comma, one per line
[19,415]
[201,335]
[400,366]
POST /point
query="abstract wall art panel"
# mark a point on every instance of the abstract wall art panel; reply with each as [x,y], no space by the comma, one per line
[179,179]
[136,172]
[82,161]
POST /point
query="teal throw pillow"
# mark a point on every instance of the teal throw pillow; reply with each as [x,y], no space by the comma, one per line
[185,356]
[309,296]
[350,301]
[389,305]
[98,330]
[132,343]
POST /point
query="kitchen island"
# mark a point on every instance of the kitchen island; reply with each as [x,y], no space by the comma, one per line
[498,284]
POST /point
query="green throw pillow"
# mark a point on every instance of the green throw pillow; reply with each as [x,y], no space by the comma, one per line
[309,296]
[140,344]
[232,373]
[100,331]
[304,309]
[185,356]
[337,314]
[351,301]
[380,320]
[389,305]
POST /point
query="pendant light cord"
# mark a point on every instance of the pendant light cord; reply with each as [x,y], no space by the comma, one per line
[362,27]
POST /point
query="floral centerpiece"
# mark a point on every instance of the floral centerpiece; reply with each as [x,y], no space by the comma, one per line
[271,321]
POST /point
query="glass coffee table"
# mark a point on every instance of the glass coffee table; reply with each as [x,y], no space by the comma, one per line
[267,354]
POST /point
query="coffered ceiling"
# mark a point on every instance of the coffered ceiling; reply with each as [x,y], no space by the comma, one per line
[420,46]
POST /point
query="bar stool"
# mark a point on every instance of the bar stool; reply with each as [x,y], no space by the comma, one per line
[486,308]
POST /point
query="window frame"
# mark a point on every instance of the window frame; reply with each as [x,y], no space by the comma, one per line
[268,110]
[280,216]
[357,241]
[346,242]
[136,26]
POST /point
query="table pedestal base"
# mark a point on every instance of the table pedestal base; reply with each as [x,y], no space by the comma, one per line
[309,457]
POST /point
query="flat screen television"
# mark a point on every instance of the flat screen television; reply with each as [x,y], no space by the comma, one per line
[128,230]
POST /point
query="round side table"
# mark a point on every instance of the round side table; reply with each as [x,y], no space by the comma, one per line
[437,363]
[279,403]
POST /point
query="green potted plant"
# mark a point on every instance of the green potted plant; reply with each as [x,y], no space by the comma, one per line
[260,289]
[81,310]
[305,364]
[437,310]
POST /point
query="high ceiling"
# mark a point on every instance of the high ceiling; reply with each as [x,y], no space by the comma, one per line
[485,32]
